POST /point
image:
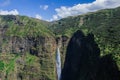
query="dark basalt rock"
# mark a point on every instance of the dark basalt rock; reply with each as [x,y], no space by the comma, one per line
[107,70]
[83,60]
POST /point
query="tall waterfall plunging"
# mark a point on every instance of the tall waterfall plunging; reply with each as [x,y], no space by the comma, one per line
[58,64]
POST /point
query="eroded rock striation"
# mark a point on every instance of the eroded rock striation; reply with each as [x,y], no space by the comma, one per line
[27,49]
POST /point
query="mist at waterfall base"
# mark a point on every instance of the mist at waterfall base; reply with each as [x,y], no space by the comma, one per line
[58,64]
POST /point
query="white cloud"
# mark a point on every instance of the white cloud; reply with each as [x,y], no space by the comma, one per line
[44,7]
[4,3]
[78,9]
[55,17]
[6,12]
[38,16]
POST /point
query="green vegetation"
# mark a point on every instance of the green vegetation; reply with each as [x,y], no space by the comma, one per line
[24,26]
[104,24]
[7,64]
[27,37]
[1,65]
[14,30]
[27,65]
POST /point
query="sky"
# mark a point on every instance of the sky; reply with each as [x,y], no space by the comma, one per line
[51,10]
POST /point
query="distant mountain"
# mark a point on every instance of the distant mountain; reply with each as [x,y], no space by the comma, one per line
[89,21]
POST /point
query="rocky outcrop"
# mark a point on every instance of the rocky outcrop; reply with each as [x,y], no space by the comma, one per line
[26,57]
[42,47]
[83,61]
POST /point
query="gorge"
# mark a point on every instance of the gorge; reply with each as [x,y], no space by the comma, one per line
[88,46]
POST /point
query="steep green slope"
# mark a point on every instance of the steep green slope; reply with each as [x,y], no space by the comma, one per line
[89,20]
[104,24]
[27,49]
[22,26]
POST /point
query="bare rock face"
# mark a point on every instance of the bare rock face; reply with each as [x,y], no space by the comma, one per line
[43,51]
[41,47]
[83,61]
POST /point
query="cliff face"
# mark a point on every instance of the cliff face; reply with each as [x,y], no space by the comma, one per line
[83,61]
[27,46]
[26,56]
[104,24]
[79,56]
[62,43]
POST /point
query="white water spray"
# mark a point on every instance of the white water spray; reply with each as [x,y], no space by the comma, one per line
[58,64]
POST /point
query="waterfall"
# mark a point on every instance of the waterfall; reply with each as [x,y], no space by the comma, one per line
[58,64]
